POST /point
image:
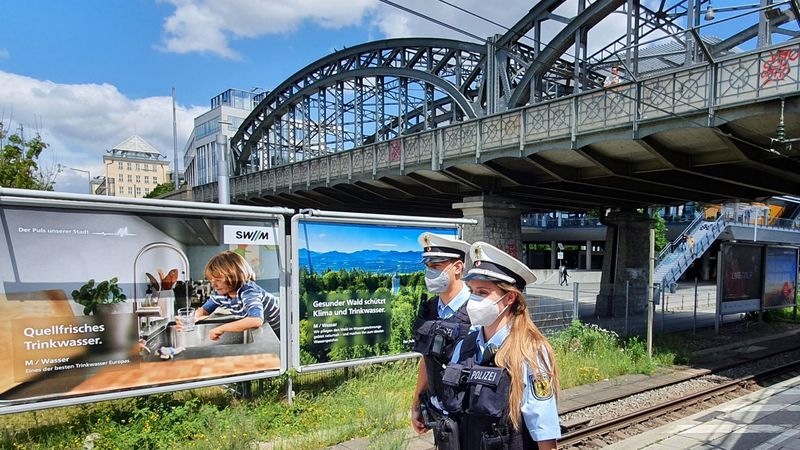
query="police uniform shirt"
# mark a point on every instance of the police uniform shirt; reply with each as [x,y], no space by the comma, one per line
[539,410]
[447,311]
[539,404]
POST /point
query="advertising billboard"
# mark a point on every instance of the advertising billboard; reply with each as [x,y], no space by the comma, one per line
[780,277]
[107,299]
[740,283]
[359,286]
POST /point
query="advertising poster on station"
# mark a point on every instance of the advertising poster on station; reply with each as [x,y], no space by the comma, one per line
[741,279]
[780,277]
[360,286]
[98,301]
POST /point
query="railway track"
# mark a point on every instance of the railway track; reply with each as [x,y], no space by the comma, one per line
[604,433]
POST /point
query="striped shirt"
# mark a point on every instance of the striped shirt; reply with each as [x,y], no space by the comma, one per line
[251,301]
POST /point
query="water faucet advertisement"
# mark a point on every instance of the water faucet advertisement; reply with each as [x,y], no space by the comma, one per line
[104,300]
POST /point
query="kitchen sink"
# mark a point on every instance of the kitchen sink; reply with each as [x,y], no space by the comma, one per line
[170,337]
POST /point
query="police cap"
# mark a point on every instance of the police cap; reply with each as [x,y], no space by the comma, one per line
[438,248]
[492,264]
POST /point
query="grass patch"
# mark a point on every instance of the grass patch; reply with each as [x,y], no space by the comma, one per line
[374,403]
[781,315]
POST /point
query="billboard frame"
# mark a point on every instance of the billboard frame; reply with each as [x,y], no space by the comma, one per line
[349,218]
[764,284]
[48,200]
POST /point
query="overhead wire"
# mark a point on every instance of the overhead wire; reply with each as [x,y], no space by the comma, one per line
[426,17]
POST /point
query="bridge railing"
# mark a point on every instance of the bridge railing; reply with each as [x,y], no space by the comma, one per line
[738,79]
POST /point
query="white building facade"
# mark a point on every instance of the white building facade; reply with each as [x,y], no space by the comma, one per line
[228,111]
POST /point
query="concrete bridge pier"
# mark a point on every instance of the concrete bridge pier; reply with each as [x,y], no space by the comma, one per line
[498,224]
[625,265]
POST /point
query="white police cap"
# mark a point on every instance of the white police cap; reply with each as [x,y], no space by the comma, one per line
[492,264]
[440,248]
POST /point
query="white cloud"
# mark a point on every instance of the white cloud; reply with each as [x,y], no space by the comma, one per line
[210,25]
[395,23]
[80,122]
[4,53]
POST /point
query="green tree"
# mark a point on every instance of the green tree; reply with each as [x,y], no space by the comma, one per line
[19,166]
[661,231]
[161,189]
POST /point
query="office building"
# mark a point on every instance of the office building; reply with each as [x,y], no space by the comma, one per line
[133,168]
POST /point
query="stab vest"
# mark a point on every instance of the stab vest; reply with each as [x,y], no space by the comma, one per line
[436,339]
[476,393]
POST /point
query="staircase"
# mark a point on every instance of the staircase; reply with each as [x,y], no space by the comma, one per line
[676,257]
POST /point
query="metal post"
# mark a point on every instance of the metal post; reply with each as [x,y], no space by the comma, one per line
[663,300]
[694,319]
[289,391]
[576,310]
[650,292]
[223,186]
[627,296]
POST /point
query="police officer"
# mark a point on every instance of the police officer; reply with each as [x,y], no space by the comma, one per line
[442,321]
[502,380]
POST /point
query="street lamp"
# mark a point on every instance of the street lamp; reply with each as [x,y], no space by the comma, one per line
[88,174]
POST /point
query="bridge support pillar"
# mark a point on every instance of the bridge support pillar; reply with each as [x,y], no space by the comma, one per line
[625,265]
[498,224]
[588,265]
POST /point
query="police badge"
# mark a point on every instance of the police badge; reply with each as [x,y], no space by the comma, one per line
[541,388]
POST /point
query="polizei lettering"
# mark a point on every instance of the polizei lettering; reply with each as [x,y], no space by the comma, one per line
[483,375]
[254,235]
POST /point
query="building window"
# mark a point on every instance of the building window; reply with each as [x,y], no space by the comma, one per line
[137,166]
[138,190]
[130,190]
[146,191]
[146,179]
[119,166]
[129,166]
[130,178]
[138,179]
[155,180]
[147,167]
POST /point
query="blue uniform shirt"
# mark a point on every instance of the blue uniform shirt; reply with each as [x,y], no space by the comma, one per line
[539,413]
[447,311]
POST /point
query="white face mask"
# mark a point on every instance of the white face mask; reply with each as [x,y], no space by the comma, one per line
[483,312]
[437,280]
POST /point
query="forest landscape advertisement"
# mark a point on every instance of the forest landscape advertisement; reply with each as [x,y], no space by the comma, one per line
[360,286]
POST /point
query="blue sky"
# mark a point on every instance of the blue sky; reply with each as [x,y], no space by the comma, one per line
[88,74]
[348,238]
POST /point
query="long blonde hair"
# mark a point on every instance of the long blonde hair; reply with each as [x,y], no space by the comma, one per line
[525,345]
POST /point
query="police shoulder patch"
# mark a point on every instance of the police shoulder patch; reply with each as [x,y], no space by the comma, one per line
[541,387]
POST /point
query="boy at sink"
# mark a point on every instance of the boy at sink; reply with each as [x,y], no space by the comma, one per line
[233,281]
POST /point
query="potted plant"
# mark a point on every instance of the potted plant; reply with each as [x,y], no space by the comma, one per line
[93,296]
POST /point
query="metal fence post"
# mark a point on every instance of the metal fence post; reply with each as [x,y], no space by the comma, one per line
[627,292]
[694,319]
[576,306]
[663,300]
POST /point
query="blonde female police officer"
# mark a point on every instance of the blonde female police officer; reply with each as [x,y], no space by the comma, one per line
[442,322]
[502,379]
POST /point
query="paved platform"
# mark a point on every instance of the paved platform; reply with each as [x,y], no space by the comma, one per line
[764,420]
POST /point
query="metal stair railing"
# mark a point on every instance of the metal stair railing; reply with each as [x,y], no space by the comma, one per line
[671,268]
[675,244]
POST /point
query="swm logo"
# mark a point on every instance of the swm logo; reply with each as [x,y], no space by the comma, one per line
[239,234]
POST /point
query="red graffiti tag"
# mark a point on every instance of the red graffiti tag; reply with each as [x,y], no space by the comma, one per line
[777,68]
[395,147]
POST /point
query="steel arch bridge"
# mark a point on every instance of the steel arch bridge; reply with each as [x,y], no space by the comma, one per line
[379,91]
